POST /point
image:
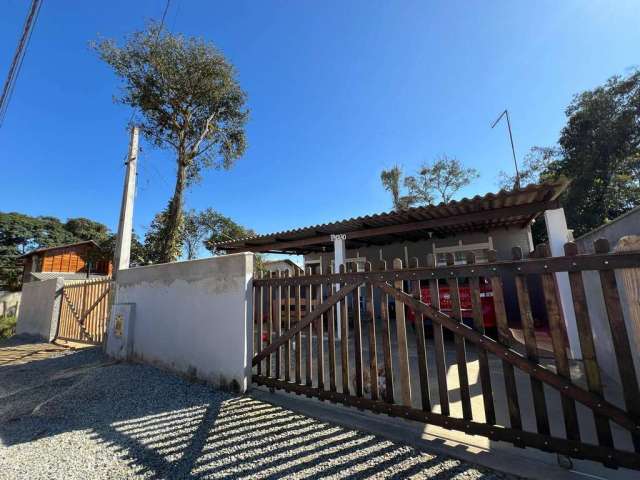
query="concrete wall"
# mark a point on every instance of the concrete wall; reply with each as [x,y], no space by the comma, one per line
[40,308]
[9,303]
[627,224]
[193,317]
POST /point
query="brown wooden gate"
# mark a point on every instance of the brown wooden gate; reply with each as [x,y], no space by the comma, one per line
[523,399]
[84,311]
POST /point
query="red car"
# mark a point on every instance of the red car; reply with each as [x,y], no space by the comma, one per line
[486,299]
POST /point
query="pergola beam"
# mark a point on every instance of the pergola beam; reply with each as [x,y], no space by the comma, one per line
[529,210]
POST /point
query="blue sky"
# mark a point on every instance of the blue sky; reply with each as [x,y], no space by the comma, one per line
[337,92]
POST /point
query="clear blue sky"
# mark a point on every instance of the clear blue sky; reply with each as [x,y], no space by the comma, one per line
[337,91]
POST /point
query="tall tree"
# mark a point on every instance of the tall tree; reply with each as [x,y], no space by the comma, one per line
[204,228]
[444,177]
[391,181]
[194,232]
[154,238]
[86,229]
[190,101]
[221,229]
[599,150]
[534,168]
[21,233]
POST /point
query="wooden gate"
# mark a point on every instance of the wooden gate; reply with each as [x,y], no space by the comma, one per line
[552,404]
[84,311]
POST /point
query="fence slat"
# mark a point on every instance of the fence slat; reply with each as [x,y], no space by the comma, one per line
[309,339]
[277,318]
[483,358]
[403,350]
[504,337]
[331,332]
[461,354]
[585,334]
[373,348]
[319,324]
[298,367]
[270,326]
[357,338]
[438,343]
[386,343]
[287,327]
[559,343]
[259,305]
[528,329]
[620,339]
[344,340]
[421,345]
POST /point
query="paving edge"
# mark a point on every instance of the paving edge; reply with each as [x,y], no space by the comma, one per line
[410,432]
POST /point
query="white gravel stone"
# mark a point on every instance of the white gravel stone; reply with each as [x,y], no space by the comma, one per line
[79,416]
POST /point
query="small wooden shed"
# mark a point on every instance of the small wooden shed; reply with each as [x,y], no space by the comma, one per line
[83,258]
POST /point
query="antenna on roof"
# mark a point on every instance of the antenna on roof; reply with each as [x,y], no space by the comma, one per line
[513,150]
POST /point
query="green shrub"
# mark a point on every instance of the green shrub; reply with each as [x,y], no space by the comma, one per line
[7,326]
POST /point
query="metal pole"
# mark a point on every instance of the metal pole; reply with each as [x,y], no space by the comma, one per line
[513,149]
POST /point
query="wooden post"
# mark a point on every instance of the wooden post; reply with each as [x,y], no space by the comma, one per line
[403,351]
[528,330]
[631,282]
[421,347]
[621,343]
[504,337]
[438,342]
[287,326]
[373,350]
[386,343]
[357,337]
[331,332]
[483,358]
[461,355]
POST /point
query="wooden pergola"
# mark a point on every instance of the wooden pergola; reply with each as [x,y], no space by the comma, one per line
[506,208]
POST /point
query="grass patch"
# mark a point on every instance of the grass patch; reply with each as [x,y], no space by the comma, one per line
[7,326]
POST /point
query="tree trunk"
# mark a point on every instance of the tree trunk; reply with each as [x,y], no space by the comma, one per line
[172,243]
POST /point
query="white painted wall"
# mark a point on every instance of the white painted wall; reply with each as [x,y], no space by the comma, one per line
[559,234]
[193,317]
[40,308]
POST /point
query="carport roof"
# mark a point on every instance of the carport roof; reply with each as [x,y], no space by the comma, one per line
[506,208]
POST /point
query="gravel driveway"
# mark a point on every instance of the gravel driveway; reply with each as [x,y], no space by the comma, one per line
[76,415]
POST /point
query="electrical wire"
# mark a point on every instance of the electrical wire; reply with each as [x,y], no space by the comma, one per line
[18,58]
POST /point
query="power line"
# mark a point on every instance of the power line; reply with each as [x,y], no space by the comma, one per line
[18,57]
[175,16]
[164,15]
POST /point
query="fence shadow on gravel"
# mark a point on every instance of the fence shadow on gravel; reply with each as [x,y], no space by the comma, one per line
[164,427]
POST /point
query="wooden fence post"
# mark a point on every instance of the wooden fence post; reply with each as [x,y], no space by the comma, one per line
[631,282]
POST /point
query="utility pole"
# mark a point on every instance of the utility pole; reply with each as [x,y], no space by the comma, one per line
[125,225]
[513,150]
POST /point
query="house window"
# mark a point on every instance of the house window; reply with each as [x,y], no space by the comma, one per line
[460,252]
[358,261]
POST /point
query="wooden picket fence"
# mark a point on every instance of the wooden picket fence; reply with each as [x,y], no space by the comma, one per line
[366,363]
[84,311]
